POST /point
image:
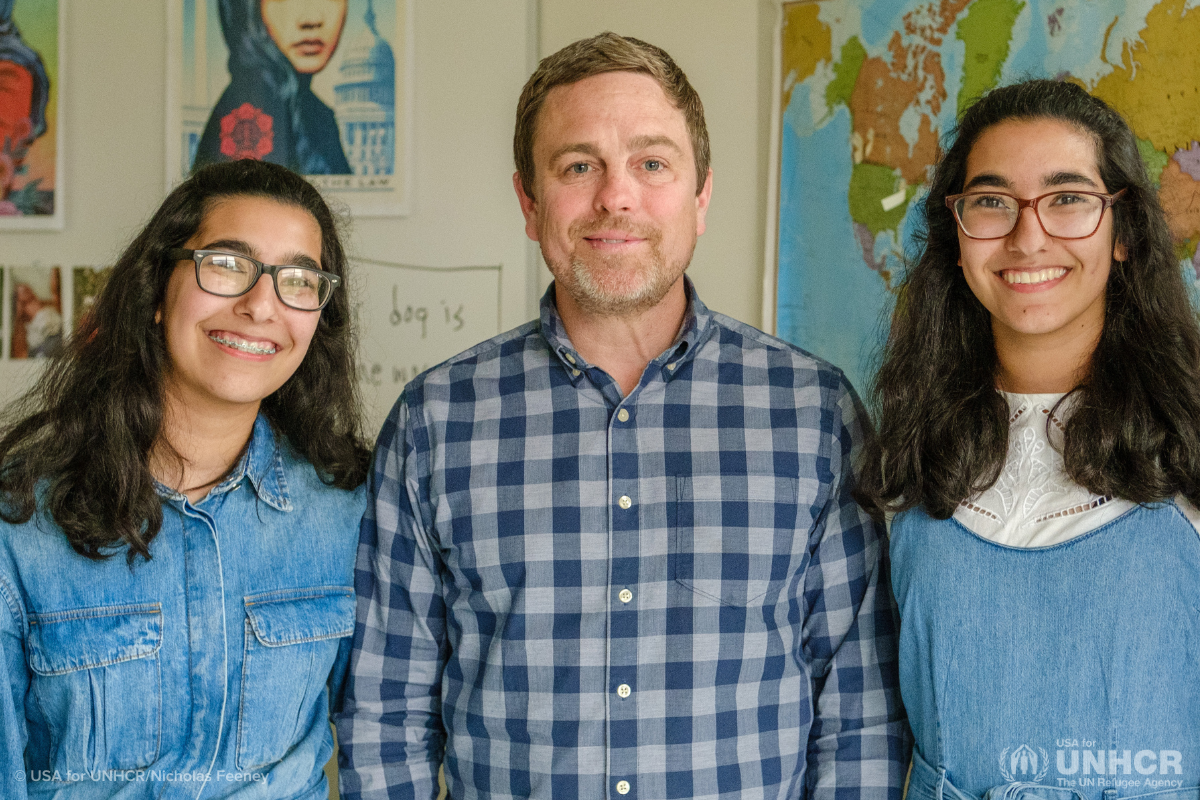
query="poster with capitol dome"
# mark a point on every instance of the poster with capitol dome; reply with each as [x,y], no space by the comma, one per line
[319,86]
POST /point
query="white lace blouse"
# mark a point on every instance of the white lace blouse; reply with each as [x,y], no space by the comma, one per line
[1034,503]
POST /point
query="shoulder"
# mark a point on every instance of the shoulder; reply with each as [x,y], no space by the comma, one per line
[784,364]
[33,553]
[507,354]
[308,491]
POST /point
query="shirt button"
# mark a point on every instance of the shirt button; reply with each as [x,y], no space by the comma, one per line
[623,691]
[671,366]
[622,787]
[624,502]
[625,595]
[574,373]
[623,415]
[569,357]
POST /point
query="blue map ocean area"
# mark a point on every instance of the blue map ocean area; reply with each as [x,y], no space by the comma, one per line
[834,292]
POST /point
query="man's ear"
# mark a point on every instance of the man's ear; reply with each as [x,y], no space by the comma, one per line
[528,207]
[702,198]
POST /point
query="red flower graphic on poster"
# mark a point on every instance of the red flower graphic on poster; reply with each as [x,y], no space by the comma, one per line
[246,132]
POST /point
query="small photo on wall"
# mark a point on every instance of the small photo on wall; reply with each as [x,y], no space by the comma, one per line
[31,142]
[87,282]
[35,312]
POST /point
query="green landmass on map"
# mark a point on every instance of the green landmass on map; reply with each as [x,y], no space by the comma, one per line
[986,31]
[869,185]
[845,73]
[1154,159]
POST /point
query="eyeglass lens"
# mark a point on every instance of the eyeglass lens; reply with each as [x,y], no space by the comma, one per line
[1064,214]
[226,274]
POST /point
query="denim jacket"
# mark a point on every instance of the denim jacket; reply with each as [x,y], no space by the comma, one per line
[205,672]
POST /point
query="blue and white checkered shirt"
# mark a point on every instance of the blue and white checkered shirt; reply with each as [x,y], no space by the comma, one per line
[567,593]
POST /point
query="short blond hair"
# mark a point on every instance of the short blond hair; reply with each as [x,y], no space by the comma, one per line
[607,52]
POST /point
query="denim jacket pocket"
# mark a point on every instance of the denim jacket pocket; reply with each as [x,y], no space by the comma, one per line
[97,681]
[733,536]
[292,639]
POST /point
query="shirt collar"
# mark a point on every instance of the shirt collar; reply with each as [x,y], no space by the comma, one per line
[697,326]
[261,463]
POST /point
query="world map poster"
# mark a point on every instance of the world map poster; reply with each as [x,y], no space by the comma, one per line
[871,87]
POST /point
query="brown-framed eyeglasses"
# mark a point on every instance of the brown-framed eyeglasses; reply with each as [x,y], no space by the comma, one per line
[1063,215]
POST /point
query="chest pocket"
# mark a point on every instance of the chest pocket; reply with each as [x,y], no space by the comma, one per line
[733,536]
[97,682]
[292,640]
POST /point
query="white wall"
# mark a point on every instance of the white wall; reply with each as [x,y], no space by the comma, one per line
[472,57]
[725,47]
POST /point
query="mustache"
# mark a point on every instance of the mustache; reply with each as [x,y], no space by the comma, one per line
[608,222]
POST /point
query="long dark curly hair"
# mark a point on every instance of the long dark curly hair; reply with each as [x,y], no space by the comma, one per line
[78,445]
[1134,431]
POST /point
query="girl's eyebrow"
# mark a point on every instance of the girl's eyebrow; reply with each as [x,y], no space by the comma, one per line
[1054,179]
[237,246]
[1060,178]
[987,179]
[232,245]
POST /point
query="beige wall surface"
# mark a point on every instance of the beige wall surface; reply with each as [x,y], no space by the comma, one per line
[725,47]
[471,59]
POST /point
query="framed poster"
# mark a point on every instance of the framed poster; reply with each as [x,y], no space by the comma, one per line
[31,130]
[320,86]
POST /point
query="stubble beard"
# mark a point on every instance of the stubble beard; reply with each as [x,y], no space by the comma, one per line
[603,286]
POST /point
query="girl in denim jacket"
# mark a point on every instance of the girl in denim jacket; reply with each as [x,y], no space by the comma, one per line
[1040,446]
[180,495]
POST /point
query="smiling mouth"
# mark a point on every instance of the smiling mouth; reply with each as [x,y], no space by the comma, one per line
[255,348]
[614,239]
[1040,276]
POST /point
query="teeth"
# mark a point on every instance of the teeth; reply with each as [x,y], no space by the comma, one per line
[245,347]
[1041,276]
[612,241]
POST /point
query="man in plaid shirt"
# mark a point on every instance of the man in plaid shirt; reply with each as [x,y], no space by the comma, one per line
[613,553]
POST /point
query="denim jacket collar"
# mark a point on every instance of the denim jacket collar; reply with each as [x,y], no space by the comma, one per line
[261,462]
[695,329]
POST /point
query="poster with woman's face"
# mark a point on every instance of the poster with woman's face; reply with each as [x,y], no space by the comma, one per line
[30,124]
[319,86]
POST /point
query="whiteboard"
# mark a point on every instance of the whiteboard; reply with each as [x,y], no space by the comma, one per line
[412,318]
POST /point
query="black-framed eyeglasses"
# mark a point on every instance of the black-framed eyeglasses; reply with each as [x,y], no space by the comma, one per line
[233,274]
[1063,215]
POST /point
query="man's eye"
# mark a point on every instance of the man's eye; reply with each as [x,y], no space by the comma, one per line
[578,169]
[654,165]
